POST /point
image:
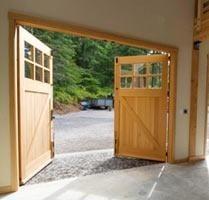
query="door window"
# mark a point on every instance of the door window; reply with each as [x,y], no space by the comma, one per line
[37,64]
[141,75]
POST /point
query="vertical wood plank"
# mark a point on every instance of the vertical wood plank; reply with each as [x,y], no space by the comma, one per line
[13,104]
[193,103]
[206,109]
[172,107]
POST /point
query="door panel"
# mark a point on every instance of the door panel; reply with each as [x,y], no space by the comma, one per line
[141,106]
[35,104]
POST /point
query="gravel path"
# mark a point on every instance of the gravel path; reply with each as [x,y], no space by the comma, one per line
[85,163]
[83,131]
[84,146]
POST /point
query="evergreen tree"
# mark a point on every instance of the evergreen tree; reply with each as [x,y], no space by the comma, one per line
[83,68]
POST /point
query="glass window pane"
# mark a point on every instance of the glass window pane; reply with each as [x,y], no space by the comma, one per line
[126,82]
[126,69]
[39,74]
[29,70]
[140,82]
[28,51]
[46,76]
[38,57]
[155,82]
[155,68]
[46,61]
[140,68]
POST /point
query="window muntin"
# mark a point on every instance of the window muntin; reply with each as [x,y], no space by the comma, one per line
[126,82]
[46,61]
[37,65]
[38,56]
[46,76]
[28,51]
[141,75]
[126,69]
[29,70]
[39,73]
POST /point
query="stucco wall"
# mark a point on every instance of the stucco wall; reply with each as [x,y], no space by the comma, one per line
[164,21]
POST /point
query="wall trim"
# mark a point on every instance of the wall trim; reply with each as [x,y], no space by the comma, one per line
[193,103]
[5,189]
[52,25]
[196,158]
[183,160]
[206,108]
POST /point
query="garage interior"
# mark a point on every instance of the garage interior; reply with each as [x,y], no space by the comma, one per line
[149,25]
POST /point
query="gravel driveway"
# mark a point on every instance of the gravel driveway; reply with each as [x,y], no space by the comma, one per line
[83,131]
[84,146]
[85,163]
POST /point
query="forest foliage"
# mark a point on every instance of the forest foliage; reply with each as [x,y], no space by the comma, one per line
[83,68]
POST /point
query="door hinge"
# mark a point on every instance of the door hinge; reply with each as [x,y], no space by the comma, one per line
[52,149]
[116,143]
[168,93]
[116,60]
[169,57]
[52,115]
[116,146]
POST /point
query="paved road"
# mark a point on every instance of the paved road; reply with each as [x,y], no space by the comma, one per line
[83,131]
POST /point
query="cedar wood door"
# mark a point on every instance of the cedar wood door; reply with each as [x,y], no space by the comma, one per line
[35,104]
[141,106]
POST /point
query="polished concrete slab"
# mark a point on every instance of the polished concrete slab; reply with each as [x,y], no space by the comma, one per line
[155,182]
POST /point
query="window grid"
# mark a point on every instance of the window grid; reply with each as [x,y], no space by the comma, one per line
[37,64]
[141,76]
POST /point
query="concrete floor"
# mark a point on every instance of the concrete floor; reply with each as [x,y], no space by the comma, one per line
[154,182]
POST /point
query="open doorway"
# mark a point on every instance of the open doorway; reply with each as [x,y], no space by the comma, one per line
[123,40]
[83,113]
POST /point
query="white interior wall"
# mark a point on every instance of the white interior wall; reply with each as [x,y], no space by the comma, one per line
[201,101]
[164,21]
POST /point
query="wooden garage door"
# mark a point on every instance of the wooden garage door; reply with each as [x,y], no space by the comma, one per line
[35,104]
[141,106]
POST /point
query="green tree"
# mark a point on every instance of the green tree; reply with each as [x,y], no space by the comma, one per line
[83,68]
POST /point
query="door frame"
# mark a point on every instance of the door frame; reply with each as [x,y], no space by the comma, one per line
[206,112]
[16,19]
[206,108]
